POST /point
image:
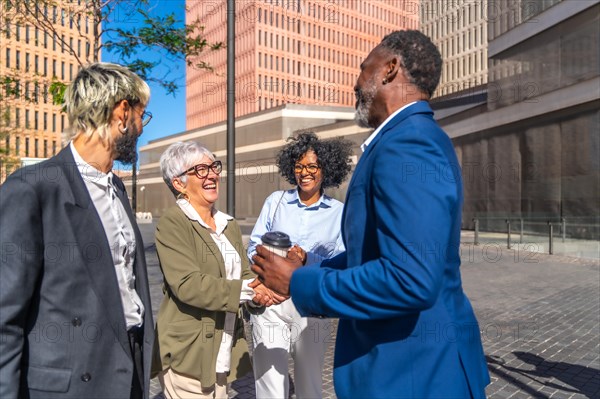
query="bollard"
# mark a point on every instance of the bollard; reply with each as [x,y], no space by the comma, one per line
[521,238]
[476,239]
[507,233]
[550,244]
[563,228]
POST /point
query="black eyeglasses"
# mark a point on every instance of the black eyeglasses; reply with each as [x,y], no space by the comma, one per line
[311,168]
[202,169]
[146,118]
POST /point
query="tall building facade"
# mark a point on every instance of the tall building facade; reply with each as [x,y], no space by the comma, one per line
[530,152]
[288,52]
[459,29]
[31,57]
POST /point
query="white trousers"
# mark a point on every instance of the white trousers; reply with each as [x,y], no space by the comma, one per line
[279,332]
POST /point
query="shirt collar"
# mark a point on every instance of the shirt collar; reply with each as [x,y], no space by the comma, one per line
[368,141]
[292,196]
[89,172]
[221,218]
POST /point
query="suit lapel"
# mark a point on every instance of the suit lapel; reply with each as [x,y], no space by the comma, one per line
[92,244]
[418,107]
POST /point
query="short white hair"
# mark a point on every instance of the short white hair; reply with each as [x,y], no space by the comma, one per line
[92,96]
[178,158]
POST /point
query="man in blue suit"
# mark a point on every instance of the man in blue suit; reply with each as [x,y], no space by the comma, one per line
[406,328]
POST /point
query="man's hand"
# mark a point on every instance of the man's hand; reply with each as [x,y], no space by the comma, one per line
[274,271]
[265,296]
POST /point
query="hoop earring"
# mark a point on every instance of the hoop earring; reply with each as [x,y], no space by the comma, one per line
[123,130]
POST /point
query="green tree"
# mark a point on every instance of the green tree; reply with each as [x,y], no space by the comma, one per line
[143,44]
[134,42]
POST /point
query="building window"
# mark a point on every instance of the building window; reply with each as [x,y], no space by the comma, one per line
[54,122]
[17,145]
[26,119]
[62,123]
[18,59]
[37,63]
[8,58]
[35,120]
[17,117]
[36,149]
[53,147]
[45,148]
[18,32]
[26,146]
[45,121]
[45,66]
[7,31]
[26,62]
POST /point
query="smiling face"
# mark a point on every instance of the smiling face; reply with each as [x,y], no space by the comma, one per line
[309,184]
[203,192]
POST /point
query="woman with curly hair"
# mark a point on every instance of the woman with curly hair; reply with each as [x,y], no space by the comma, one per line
[312,220]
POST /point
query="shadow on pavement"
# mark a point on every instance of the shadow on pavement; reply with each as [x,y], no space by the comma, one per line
[582,380]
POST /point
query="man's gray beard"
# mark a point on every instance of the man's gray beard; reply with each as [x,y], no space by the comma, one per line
[365,101]
[361,116]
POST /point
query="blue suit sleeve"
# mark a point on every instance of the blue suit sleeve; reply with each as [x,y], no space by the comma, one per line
[412,217]
[21,265]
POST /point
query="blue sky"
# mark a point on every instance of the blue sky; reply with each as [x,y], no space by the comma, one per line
[168,111]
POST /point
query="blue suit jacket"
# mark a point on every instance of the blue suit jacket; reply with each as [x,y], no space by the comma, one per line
[406,328]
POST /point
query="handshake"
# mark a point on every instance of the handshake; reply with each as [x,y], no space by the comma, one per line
[272,286]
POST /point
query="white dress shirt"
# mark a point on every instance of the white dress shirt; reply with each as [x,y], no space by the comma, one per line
[233,271]
[119,233]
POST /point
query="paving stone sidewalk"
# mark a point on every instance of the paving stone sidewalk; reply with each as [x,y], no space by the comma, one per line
[539,318]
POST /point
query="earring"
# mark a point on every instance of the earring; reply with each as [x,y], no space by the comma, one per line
[122,130]
[384,81]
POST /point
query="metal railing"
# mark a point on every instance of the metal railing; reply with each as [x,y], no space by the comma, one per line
[550,222]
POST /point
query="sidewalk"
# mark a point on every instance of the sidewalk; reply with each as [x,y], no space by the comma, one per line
[539,317]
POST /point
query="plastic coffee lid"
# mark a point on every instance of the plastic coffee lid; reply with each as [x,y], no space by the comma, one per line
[276,239]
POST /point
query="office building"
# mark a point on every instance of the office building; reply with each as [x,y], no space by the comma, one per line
[31,57]
[529,145]
[459,29]
[288,52]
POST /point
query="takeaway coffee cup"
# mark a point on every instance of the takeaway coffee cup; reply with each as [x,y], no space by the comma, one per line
[276,242]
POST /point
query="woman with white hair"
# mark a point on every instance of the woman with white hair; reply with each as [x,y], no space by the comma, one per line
[200,345]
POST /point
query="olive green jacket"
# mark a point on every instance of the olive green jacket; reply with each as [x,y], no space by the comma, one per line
[197,295]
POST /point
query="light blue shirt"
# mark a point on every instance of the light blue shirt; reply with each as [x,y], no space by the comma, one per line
[315,228]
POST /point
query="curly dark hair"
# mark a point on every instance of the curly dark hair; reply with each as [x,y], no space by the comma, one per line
[332,156]
[420,58]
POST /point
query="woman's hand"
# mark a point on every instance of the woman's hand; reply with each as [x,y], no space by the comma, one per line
[296,252]
[264,296]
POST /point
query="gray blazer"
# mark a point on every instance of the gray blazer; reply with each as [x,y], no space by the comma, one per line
[63,332]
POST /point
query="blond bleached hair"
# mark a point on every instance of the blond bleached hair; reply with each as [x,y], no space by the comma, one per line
[92,96]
